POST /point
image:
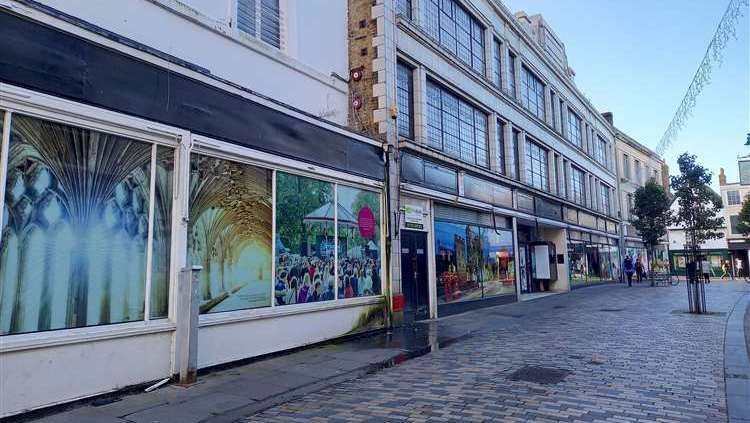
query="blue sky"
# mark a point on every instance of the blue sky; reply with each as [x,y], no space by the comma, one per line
[636,59]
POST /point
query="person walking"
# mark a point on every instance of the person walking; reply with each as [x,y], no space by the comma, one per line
[724,270]
[706,269]
[629,269]
[639,269]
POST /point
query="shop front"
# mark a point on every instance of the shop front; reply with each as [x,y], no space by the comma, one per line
[593,258]
[474,260]
[718,259]
[107,198]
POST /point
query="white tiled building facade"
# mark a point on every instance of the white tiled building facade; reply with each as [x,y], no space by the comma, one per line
[733,195]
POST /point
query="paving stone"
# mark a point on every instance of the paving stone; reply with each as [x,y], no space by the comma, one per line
[640,364]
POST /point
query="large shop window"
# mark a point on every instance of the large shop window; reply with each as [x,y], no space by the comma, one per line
[230,233]
[472,262]
[456,30]
[232,237]
[455,127]
[79,220]
[358,243]
[536,166]
[592,260]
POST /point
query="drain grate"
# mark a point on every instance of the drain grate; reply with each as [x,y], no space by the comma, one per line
[611,310]
[541,375]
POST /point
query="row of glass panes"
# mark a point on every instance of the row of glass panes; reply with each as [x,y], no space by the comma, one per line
[260,19]
[87,232]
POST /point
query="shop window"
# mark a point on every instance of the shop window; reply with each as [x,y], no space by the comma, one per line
[305,240]
[75,231]
[230,233]
[472,262]
[358,242]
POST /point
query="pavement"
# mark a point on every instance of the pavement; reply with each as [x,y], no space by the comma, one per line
[607,353]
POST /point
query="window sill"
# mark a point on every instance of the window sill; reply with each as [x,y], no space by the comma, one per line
[48,339]
[238,316]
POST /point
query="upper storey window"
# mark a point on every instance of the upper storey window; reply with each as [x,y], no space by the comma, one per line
[456,30]
[574,129]
[260,19]
[403,8]
[532,93]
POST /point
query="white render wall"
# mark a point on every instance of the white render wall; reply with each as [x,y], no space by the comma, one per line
[314,44]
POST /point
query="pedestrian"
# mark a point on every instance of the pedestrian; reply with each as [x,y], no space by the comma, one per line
[724,269]
[706,269]
[627,266]
[639,268]
[738,266]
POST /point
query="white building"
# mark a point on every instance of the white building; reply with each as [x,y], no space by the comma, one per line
[142,137]
[637,164]
[733,195]
[503,174]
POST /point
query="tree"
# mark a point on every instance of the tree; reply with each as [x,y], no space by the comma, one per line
[743,224]
[652,214]
[698,213]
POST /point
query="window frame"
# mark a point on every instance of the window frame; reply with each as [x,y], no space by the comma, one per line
[578,186]
[605,198]
[575,129]
[442,25]
[532,93]
[409,93]
[462,119]
[731,196]
[536,163]
[261,20]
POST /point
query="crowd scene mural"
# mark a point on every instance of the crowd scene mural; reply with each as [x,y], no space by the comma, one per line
[473,262]
[75,231]
[309,229]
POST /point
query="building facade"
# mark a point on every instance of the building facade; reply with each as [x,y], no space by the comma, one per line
[636,164]
[733,195]
[502,181]
[202,133]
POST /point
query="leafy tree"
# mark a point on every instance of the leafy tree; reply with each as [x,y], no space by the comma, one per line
[698,213]
[699,204]
[743,225]
[652,214]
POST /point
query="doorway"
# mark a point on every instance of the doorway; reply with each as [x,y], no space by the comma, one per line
[414,275]
[524,268]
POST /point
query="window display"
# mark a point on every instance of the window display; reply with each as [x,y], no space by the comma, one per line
[304,240]
[358,229]
[230,233]
[472,262]
[591,260]
[75,228]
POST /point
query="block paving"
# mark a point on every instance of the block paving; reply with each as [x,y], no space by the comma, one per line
[630,354]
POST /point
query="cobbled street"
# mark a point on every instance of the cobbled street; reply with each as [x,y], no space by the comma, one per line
[624,355]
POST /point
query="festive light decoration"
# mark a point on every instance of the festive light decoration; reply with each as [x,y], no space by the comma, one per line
[724,32]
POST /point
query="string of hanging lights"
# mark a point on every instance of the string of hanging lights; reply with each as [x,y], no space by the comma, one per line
[713,57]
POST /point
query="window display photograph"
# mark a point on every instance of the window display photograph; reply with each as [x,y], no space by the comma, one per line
[305,233]
[75,230]
[230,233]
[358,230]
[578,262]
[472,262]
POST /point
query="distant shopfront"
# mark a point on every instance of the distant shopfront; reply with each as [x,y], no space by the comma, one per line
[592,258]
[474,259]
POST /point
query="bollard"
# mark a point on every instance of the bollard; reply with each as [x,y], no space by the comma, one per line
[186,335]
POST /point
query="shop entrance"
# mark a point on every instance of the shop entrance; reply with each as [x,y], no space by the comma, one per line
[524,268]
[414,275]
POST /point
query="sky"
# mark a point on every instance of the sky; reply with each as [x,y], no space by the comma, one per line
[636,58]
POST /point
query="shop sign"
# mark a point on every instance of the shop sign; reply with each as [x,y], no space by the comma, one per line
[413,217]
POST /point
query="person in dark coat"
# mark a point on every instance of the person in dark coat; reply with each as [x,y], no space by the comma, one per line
[629,269]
